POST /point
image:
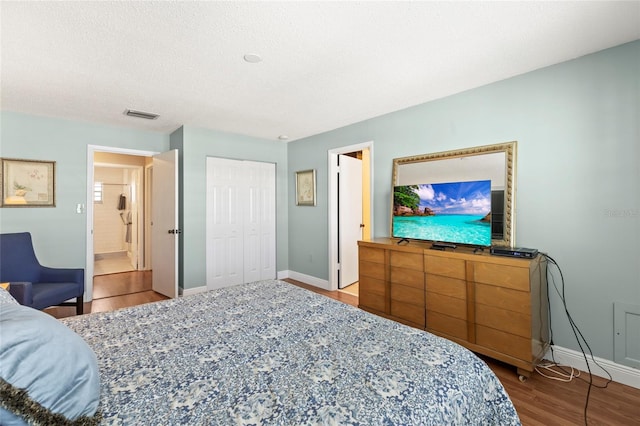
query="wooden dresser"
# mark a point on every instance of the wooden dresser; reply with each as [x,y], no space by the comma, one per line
[495,306]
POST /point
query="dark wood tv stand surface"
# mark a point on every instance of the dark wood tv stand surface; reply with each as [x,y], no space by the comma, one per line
[496,306]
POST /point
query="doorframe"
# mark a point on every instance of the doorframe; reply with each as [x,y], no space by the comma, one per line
[89,259]
[332,156]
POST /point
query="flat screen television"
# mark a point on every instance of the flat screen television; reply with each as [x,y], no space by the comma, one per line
[452,212]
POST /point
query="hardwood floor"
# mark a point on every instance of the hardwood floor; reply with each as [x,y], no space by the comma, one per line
[115,291]
[539,401]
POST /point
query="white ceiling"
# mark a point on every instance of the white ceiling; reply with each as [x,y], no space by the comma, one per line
[325,64]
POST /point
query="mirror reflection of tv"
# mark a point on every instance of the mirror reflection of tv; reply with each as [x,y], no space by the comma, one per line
[451,212]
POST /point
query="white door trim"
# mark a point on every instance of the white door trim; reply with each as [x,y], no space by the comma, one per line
[332,155]
[91,150]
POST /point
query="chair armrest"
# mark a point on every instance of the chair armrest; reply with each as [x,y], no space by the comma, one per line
[61,275]
[22,291]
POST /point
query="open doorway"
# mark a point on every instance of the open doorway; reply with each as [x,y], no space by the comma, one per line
[343,259]
[117,214]
[120,212]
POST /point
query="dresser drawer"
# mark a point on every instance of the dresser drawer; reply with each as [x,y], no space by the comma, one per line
[501,275]
[406,294]
[504,298]
[408,312]
[371,269]
[372,301]
[452,287]
[500,319]
[454,268]
[409,277]
[371,254]
[406,260]
[450,306]
[504,342]
[448,325]
[372,285]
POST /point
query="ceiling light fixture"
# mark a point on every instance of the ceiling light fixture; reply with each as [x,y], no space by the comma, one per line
[141,114]
[283,137]
[252,58]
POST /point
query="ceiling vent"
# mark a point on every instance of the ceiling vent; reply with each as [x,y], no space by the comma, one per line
[141,114]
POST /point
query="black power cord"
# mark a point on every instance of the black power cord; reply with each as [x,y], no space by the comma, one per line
[576,332]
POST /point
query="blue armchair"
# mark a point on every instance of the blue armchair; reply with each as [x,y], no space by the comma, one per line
[32,284]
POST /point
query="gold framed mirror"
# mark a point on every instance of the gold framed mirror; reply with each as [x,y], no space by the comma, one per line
[496,163]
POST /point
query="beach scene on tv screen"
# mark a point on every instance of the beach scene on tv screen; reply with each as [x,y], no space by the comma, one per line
[455,212]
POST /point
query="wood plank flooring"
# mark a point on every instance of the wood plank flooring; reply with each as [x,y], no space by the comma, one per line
[115,291]
[539,401]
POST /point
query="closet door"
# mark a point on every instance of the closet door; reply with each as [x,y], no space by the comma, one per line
[259,222]
[241,243]
[267,216]
[224,247]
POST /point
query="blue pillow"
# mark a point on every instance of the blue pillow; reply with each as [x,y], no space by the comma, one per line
[52,364]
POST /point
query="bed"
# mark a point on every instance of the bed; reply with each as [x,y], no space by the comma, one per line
[272,353]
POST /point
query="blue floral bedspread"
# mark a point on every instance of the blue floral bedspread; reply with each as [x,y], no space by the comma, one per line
[272,353]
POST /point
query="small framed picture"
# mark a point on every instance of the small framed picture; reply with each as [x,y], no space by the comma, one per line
[306,188]
[27,183]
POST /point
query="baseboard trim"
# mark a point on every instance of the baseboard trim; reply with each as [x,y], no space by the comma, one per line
[195,290]
[620,373]
[281,275]
[307,279]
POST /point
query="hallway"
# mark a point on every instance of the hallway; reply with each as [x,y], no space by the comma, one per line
[111,264]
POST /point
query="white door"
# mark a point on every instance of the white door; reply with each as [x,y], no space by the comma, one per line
[251,223]
[349,218]
[259,222]
[224,247]
[240,222]
[164,223]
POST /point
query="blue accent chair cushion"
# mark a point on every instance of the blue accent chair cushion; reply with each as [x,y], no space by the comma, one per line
[32,284]
[48,373]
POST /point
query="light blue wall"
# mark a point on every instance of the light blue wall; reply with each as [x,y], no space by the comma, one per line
[197,145]
[65,142]
[59,233]
[578,176]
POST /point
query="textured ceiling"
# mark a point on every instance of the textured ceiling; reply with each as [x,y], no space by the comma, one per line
[325,64]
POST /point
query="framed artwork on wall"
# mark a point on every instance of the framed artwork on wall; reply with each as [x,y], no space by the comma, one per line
[27,183]
[306,188]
